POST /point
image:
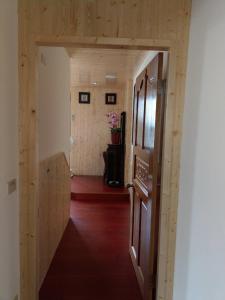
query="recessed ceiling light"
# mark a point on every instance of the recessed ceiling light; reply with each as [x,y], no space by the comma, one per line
[110,76]
[94,83]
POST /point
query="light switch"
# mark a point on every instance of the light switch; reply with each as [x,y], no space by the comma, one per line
[11,186]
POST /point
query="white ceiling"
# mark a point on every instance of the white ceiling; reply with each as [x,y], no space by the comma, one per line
[90,66]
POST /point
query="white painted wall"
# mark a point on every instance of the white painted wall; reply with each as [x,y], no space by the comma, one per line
[149,56]
[54,102]
[200,251]
[9,211]
[144,63]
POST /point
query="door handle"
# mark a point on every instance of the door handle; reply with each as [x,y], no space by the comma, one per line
[130,185]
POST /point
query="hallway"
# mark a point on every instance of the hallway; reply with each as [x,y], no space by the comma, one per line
[92,260]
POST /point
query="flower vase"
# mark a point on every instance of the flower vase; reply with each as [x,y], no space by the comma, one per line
[115,137]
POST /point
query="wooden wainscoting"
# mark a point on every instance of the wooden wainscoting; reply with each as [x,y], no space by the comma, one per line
[53,213]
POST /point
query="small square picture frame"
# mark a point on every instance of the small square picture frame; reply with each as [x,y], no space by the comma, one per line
[110,98]
[84,98]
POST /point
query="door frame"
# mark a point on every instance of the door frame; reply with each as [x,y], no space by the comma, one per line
[29,161]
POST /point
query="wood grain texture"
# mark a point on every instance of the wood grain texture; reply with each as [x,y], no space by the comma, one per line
[92,65]
[128,106]
[54,203]
[93,187]
[90,129]
[147,24]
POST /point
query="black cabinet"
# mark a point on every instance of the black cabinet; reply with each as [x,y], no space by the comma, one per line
[114,159]
[114,165]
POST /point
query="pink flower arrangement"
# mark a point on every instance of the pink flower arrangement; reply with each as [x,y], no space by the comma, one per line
[114,121]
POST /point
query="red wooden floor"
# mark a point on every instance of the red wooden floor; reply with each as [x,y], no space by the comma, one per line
[92,260]
[91,187]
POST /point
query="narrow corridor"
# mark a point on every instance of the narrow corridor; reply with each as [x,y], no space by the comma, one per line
[92,260]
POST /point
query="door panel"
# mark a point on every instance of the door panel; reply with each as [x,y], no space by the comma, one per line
[136,221]
[147,137]
[142,173]
[140,117]
[140,109]
[143,246]
[150,114]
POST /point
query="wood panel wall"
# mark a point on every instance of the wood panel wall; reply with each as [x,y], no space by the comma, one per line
[129,109]
[129,23]
[90,129]
[53,212]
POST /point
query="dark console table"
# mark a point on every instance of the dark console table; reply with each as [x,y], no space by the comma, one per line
[114,159]
[114,165]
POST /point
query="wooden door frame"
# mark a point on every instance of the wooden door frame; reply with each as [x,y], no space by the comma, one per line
[29,161]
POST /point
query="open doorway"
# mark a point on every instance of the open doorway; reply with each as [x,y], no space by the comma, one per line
[96,73]
[137,156]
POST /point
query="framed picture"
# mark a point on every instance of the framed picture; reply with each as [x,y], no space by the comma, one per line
[84,98]
[110,98]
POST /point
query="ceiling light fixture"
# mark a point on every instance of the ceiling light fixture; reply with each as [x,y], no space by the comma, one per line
[110,76]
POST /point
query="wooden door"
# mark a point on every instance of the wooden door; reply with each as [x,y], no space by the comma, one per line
[147,147]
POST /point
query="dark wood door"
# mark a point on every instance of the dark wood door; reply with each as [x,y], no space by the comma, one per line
[147,151]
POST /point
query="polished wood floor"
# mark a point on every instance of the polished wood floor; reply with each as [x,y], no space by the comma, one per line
[92,187]
[92,261]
